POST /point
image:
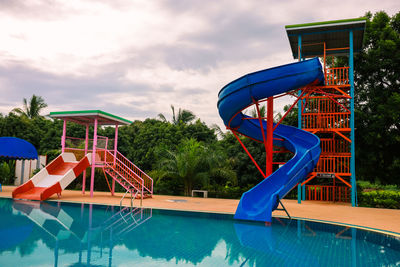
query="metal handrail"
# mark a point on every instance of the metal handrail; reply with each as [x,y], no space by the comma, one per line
[132,198]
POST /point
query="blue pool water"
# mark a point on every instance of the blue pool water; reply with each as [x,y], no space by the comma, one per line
[63,234]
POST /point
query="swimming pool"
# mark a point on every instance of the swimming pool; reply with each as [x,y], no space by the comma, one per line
[65,234]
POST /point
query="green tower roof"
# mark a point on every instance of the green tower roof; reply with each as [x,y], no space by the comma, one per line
[334,33]
[88,116]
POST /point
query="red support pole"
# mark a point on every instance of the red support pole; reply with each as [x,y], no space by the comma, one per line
[248,153]
[264,140]
[270,131]
[287,112]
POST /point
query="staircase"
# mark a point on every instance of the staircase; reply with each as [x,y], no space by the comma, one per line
[128,175]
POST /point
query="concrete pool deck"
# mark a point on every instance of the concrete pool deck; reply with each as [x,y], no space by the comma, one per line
[384,219]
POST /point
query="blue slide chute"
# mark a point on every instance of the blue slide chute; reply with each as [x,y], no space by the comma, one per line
[258,203]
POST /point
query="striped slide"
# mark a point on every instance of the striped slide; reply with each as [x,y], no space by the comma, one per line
[54,178]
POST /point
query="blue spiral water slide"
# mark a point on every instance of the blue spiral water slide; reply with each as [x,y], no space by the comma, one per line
[258,203]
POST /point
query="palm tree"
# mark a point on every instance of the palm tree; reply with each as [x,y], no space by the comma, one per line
[194,164]
[263,112]
[220,167]
[218,131]
[291,119]
[188,164]
[31,109]
[184,116]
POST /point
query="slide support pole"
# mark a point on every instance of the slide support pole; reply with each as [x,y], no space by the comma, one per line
[299,187]
[299,193]
[352,147]
[270,136]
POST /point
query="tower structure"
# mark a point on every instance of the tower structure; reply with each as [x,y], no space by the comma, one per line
[328,110]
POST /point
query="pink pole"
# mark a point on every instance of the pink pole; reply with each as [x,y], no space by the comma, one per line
[115,154]
[86,148]
[93,157]
[63,136]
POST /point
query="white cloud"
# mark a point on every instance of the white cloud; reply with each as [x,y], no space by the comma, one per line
[92,36]
[135,58]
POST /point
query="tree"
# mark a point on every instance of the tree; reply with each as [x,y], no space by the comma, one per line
[263,112]
[31,109]
[184,116]
[187,164]
[377,100]
[291,118]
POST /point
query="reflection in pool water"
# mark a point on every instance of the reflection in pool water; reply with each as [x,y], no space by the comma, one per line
[62,234]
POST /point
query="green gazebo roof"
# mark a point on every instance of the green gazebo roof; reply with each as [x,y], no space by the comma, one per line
[88,117]
[334,33]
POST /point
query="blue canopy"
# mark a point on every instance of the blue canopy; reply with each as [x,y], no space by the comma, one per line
[16,148]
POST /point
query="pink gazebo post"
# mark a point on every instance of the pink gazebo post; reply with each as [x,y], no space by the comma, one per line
[93,157]
[64,134]
[86,149]
[115,154]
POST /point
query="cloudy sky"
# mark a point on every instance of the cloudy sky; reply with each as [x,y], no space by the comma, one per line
[134,58]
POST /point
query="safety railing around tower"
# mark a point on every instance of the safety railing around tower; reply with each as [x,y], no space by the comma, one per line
[80,146]
[330,145]
[332,121]
[337,76]
[328,193]
[333,76]
[321,104]
[334,164]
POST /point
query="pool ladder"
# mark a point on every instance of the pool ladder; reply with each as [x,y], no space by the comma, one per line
[132,198]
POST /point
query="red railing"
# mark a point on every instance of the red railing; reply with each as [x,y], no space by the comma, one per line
[330,145]
[325,121]
[326,105]
[333,164]
[337,76]
[328,193]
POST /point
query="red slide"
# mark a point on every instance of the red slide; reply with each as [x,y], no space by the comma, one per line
[53,178]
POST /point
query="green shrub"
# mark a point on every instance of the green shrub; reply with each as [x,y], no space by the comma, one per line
[368,186]
[7,172]
[228,191]
[380,199]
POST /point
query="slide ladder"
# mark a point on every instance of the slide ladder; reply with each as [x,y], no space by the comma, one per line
[259,202]
[128,175]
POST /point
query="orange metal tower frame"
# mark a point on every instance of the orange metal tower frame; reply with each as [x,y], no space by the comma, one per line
[328,110]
